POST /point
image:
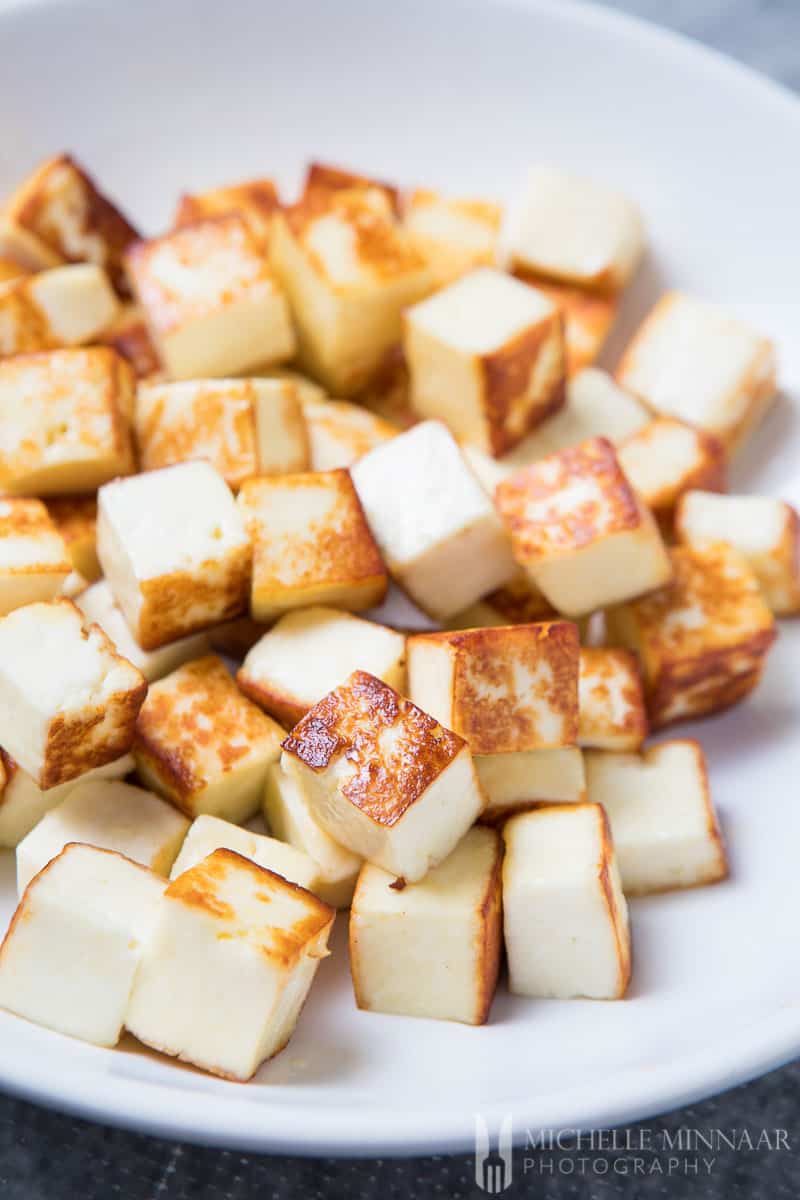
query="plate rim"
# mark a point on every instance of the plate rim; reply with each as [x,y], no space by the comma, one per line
[160,1110]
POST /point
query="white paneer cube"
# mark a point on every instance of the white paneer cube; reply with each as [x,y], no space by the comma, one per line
[580,530]
[242,427]
[210,300]
[504,688]
[349,271]
[612,713]
[202,745]
[454,235]
[436,527]
[665,830]
[23,803]
[64,421]
[702,641]
[339,433]
[668,458]
[97,604]
[311,544]
[174,550]
[576,230]
[307,653]
[74,944]
[75,518]
[765,530]
[68,701]
[65,306]
[61,206]
[208,834]
[565,915]
[588,317]
[34,563]
[112,816]
[690,360]
[232,957]
[288,814]
[431,949]
[486,355]
[255,201]
[528,779]
[384,778]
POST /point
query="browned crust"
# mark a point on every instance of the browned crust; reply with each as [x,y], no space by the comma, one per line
[506,378]
[490,937]
[131,339]
[169,599]
[71,749]
[732,687]
[620,928]
[322,177]
[588,316]
[349,721]
[283,707]
[635,723]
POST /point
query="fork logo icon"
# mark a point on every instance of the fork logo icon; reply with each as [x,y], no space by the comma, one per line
[493,1164]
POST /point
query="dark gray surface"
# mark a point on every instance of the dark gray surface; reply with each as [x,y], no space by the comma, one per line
[47,1156]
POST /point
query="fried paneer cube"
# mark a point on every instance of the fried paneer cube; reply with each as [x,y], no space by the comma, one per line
[565,915]
[503,689]
[691,360]
[34,563]
[528,779]
[658,803]
[486,355]
[112,816]
[230,938]
[765,530]
[581,531]
[701,641]
[588,317]
[668,458]
[174,550]
[311,544]
[62,307]
[384,778]
[75,943]
[611,700]
[349,271]
[340,433]
[308,652]
[454,235]
[576,230]
[68,701]
[255,201]
[98,605]
[202,745]
[432,948]
[61,206]
[211,302]
[242,427]
[23,803]
[64,421]
[75,518]
[325,177]
[207,834]
[437,529]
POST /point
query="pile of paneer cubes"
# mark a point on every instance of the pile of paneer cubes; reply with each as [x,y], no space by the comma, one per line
[224,443]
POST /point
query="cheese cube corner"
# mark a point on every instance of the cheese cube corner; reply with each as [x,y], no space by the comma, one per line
[581,531]
[207,834]
[588,317]
[435,525]
[663,822]
[691,360]
[383,777]
[210,300]
[486,355]
[34,564]
[311,544]
[764,529]
[454,234]
[611,700]
[308,653]
[432,948]
[702,641]
[339,433]
[230,938]
[503,688]
[565,915]
[68,701]
[75,942]
[174,551]
[667,458]
[255,201]
[60,307]
[202,745]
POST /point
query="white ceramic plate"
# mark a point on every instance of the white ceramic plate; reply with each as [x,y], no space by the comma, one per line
[159,97]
